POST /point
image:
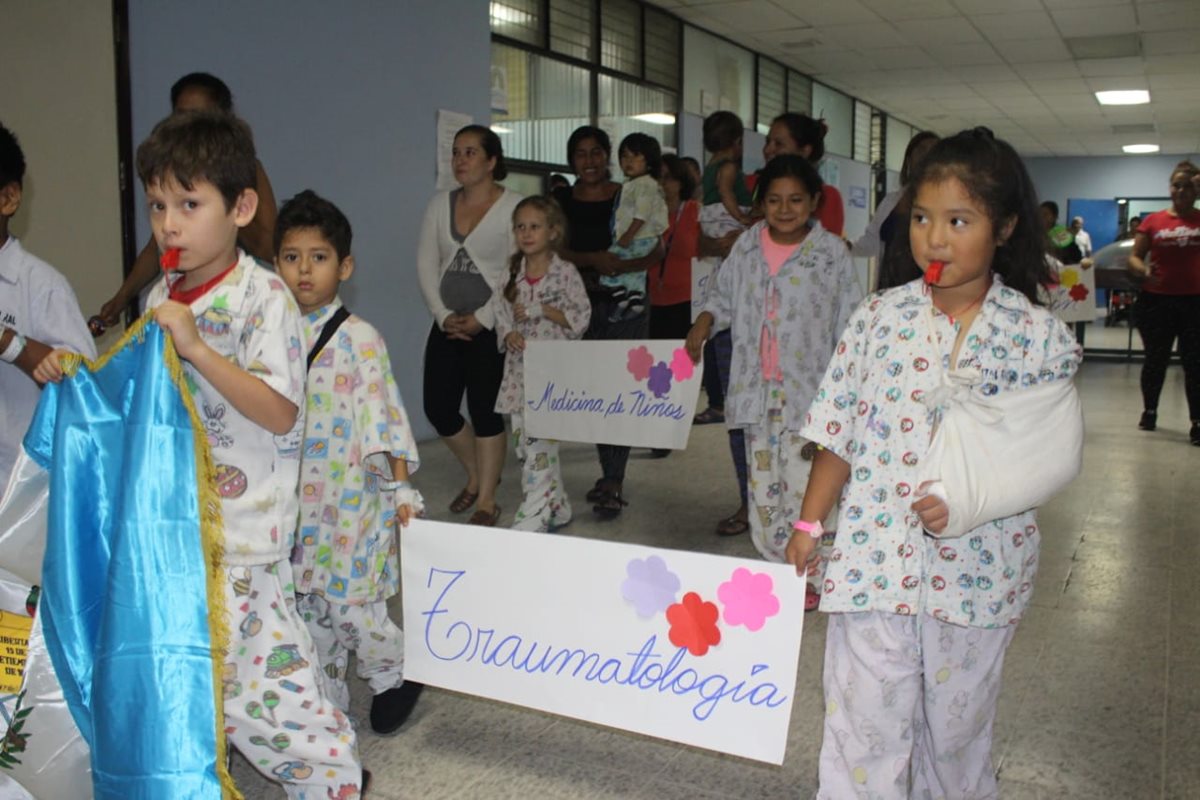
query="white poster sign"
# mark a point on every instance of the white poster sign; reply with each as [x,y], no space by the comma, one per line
[639,393]
[448,124]
[1073,298]
[694,648]
[703,271]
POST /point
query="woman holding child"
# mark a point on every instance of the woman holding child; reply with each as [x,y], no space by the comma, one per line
[588,206]
[462,258]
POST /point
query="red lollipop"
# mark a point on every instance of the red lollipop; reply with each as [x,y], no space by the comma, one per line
[169,260]
[933,273]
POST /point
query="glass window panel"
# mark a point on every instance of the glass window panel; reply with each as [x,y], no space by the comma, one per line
[621,36]
[862,132]
[517,19]
[627,107]
[799,93]
[771,99]
[524,183]
[898,135]
[571,24]
[837,110]
[543,101]
[662,48]
[717,76]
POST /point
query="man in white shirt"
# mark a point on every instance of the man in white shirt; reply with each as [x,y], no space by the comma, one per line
[38,312]
[1081,236]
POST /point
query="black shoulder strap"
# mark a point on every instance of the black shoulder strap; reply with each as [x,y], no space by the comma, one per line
[327,332]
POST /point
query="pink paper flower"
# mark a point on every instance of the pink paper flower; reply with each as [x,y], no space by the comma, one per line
[681,365]
[639,363]
[749,598]
[694,624]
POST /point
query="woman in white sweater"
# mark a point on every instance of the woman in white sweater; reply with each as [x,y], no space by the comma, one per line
[462,258]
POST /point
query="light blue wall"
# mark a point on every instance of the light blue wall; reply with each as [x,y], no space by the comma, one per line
[342,98]
[1101,178]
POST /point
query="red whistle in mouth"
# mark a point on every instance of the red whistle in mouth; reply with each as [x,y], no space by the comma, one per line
[169,260]
[933,273]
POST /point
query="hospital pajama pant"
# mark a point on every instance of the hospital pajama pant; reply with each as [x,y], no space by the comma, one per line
[778,477]
[545,506]
[909,707]
[366,629]
[276,711]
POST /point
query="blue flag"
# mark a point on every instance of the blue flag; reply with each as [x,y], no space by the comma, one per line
[132,565]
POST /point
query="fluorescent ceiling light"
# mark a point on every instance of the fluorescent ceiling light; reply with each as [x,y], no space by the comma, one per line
[500,129]
[1123,97]
[1140,148]
[655,118]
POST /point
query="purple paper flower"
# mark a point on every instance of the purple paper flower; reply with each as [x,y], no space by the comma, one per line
[749,598]
[660,379]
[651,587]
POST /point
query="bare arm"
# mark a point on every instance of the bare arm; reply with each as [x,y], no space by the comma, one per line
[1137,259]
[829,474]
[29,358]
[725,179]
[145,268]
[630,233]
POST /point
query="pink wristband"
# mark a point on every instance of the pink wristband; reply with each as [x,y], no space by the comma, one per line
[814,529]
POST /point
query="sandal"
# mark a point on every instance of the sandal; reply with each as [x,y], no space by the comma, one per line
[487,519]
[609,506]
[602,489]
[733,525]
[812,599]
[465,500]
[708,416]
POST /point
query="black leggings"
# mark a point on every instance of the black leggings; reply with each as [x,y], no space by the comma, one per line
[452,367]
[1161,319]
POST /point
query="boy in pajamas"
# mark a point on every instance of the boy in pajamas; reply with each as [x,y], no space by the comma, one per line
[237,329]
[358,454]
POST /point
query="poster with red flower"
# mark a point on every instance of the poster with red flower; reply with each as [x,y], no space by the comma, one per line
[690,647]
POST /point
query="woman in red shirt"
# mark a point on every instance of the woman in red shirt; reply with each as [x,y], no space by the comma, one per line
[801,135]
[1168,307]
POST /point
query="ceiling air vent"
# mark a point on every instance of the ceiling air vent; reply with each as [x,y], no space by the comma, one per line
[1124,45]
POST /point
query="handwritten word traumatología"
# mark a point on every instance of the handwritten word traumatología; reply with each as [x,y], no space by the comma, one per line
[641,669]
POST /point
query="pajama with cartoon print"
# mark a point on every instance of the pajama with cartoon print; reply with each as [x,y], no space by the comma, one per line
[545,505]
[919,625]
[804,307]
[346,558]
[276,712]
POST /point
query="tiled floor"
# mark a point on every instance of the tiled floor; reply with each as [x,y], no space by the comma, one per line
[1101,692]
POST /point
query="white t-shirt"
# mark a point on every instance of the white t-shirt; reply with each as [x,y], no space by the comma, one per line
[37,302]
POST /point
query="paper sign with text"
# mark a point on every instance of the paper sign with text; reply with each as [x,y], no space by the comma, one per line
[639,393]
[14,640]
[694,648]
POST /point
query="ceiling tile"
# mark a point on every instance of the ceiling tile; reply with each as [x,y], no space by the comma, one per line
[1169,65]
[1165,43]
[1057,5]
[1007,89]
[752,15]
[937,32]
[1115,83]
[996,73]
[1017,52]
[989,6]
[830,12]
[1112,67]
[1168,16]
[861,37]
[914,9]
[902,57]
[1100,21]
[1015,25]
[1042,71]
[965,54]
[1182,80]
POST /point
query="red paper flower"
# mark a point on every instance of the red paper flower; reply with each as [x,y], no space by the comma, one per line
[170,259]
[1079,293]
[694,624]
